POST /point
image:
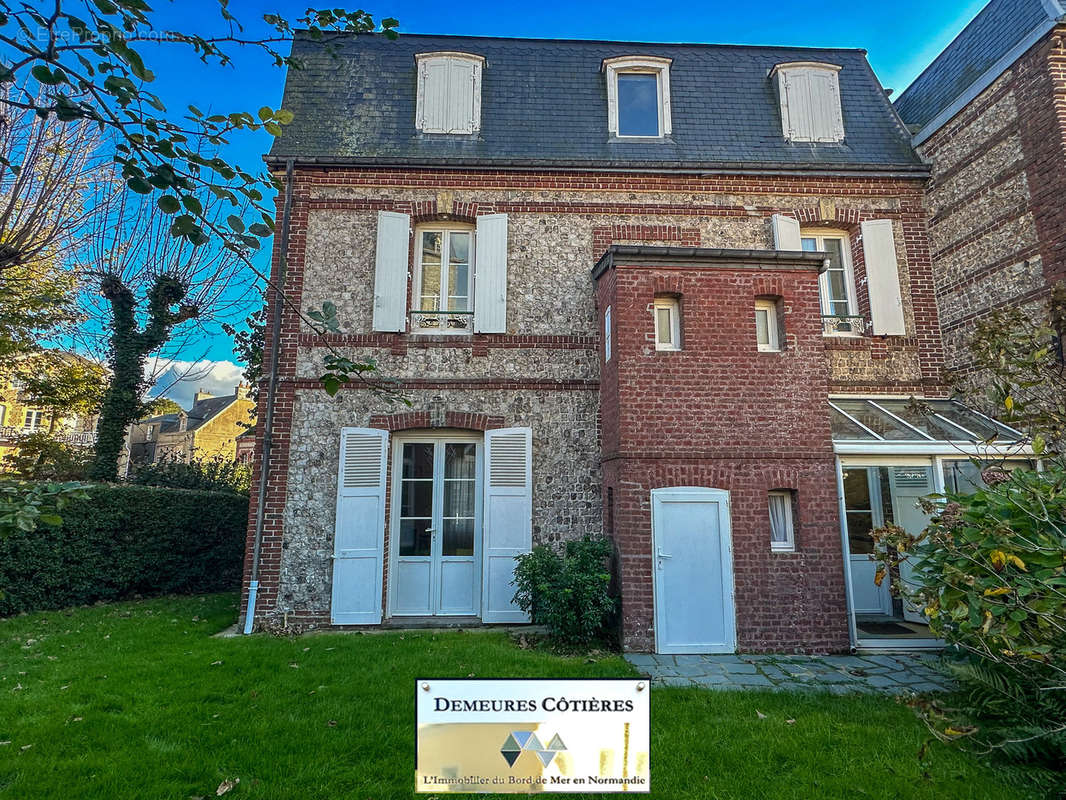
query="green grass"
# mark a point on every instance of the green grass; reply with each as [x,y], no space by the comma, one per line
[138,700]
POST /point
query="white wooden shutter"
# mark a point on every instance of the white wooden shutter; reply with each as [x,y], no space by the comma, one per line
[786,232]
[434,96]
[390,272]
[882,278]
[490,274]
[827,124]
[359,538]
[460,103]
[508,527]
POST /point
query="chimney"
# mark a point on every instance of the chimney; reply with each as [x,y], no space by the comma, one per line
[201,395]
[241,391]
[183,421]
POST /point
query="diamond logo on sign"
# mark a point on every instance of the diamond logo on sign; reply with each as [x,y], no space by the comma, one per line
[520,741]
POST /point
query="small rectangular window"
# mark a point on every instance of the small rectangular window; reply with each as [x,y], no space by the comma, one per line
[767,329]
[33,420]
[607,334]
[782,531]
[667,324]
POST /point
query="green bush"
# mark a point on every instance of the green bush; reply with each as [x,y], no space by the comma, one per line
[569,593]
[212,474]
[991,577]
[126,540]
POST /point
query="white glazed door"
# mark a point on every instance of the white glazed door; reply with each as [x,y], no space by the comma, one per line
[909,486]
[436,568]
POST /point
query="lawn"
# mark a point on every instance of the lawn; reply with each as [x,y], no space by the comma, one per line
[139,700]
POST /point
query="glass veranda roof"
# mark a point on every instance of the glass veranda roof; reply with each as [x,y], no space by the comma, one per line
[917,421]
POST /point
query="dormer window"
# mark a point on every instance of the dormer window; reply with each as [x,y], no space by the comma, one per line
[638,96]
[449,92]
[809,95]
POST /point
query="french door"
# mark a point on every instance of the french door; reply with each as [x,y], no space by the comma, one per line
[436,530]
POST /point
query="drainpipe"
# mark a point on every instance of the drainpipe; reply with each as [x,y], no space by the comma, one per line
[272,383]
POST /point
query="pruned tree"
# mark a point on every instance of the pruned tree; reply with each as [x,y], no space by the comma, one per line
[140,285]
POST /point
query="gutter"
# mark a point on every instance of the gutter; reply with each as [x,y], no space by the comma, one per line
[272,385]
[702,169]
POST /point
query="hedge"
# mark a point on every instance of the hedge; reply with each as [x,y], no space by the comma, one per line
[124,541]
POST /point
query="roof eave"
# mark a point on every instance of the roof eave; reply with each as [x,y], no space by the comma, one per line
[707,258]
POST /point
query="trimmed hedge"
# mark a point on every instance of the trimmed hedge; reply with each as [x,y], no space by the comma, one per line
[123,541]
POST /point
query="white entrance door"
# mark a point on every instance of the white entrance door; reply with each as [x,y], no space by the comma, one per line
[692,559]
[864,502]
[909,486]
[436,527]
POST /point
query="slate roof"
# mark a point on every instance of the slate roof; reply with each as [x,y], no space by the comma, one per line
[201,412]
[544,103]
[992,34]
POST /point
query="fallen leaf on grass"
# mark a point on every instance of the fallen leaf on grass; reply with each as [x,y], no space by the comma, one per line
[225,786]
[294,666]
[332,723]
[77,719]
[215,663]
[790,721]
[306,649]
[25,747]
[3,743]
[759,714]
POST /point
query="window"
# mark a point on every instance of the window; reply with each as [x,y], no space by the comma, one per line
[607,335]
[148,433]
[3,414]
[837,283]
[667,323]
[443,281]
[638,96]
[782,529]
[32,420]
[809,96]
[449,92]
[767,325]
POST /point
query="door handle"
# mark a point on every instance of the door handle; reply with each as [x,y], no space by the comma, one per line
[661,554]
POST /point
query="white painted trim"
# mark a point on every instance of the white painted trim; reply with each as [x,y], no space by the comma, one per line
[656,65]
[820,235]
[725,530]
[789,545]
[446,230]
[672,307]
[773,332]
[845,554]
[902,421]
[961,449]
[986,79]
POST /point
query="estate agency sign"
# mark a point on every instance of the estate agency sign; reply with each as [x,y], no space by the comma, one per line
[532,736]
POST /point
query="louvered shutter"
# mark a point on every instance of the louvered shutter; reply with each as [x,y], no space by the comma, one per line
[508,526]
[490,274]
[882,278]
[390,272]
[826,122]
[359,538]
[786,232]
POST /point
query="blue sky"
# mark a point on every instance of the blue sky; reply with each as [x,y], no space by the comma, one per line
[901,38]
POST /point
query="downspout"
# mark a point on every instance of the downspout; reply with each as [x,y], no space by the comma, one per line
[272,383]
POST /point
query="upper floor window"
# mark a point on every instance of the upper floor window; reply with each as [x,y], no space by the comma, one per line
[638,96]
[667,323]
[449,92]
[33,419]
[767,325]
[3,414]
[809,97]
[837,283]
[443,280]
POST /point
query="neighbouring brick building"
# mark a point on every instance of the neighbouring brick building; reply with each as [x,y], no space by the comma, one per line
[676,294]
[989,116]
[209,429]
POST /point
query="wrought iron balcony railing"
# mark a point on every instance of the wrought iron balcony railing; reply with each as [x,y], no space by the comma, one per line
[442,321]
[10,433]
[839,325]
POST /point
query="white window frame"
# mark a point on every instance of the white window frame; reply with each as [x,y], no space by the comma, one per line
[790,100]
[3,414]
[789,543]
[447,229]
[32,420]
[422,64]
[673,307]
[654,65]
[607,335]
[773,327]
[820,235]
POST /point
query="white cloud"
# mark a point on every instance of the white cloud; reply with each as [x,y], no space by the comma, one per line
[180,380]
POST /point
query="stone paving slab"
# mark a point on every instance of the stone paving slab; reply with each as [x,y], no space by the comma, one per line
[881,673]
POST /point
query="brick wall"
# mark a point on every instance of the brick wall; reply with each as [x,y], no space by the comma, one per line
[997,225]
[720,413]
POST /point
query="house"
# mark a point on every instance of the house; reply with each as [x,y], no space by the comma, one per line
[21,415]
[987,115]
[676,294]
[207,430]
[244,446]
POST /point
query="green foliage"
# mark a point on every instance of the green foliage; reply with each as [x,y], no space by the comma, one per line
[569,593]
[119,541]
[213,474]
[161,405]
[39,457]
[248,344]
[991,576]
[35,299]
[61,383]
[24,506]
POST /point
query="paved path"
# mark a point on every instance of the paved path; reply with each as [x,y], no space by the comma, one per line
[891,674]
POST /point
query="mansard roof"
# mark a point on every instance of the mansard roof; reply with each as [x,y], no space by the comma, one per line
[544,104]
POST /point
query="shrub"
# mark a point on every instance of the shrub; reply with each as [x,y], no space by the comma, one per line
[991,577]
[120,541]
[569,593]
[213,474]
[39,457]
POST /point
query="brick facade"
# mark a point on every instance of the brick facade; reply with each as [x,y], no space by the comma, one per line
[996,220]
[545,371]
